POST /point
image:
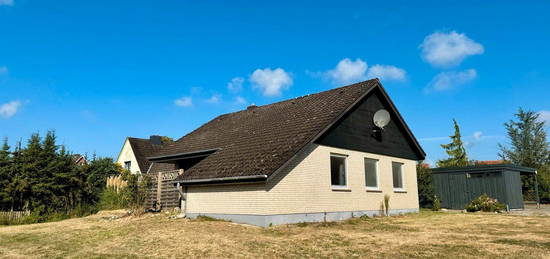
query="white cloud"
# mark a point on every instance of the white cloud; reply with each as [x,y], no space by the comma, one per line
[185,101]
[8,110]
[6,2]
[236,84]
[271,82]
[214,99]
[348,71]
[449,80]
[240,100]
[544,116]
[442,49]
[477,135]
[386,72]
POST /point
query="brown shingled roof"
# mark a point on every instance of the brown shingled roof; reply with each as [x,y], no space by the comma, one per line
[259,140]
[142,149]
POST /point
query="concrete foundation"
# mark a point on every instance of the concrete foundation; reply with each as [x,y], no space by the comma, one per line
[279,219]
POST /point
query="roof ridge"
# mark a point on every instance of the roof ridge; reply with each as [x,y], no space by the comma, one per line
[279,102]
[318,93]
[307,95]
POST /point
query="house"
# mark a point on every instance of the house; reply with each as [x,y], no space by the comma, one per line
[134,153]
[490,162]
[318,157]
[79,159]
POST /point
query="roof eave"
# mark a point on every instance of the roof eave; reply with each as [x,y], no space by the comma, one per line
[484,168]
[222,180]
[185,155]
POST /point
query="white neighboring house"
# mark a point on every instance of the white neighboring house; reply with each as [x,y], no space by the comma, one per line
[134,153]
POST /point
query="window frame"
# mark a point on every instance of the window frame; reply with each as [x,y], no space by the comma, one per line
[339,187]
[129,163]
[377,169]
[402,188]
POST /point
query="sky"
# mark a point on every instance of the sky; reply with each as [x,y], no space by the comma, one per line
[99,71]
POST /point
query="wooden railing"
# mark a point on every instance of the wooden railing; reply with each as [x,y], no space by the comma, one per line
[163,194]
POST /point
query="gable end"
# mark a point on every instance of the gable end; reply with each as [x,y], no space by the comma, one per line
[354,130]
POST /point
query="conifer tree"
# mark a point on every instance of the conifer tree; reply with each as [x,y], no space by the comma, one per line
[529,147]
[455,150]
[5,175]
[528,144]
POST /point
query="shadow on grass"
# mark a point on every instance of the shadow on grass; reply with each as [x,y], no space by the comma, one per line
[522,242]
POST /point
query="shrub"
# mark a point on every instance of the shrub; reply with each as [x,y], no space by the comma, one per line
[485,203]
[425,186]
[387,204]
[436,204]
[111,199]
[129,192]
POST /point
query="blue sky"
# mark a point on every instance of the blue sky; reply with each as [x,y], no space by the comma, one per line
[98,71]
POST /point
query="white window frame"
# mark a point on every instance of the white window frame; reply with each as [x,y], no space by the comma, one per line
[339,187]
[402,189]
[377,168]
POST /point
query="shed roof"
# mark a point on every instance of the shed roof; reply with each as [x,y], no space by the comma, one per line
[484,168]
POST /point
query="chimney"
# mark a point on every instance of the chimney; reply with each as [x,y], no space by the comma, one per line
[155,140]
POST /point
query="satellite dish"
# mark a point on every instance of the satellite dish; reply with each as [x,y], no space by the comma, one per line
[381,118]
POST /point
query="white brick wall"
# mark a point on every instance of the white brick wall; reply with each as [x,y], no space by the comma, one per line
[305,187]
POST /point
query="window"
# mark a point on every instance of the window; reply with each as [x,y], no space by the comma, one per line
[371,174]
[397,173]
[127,165]
[338,170]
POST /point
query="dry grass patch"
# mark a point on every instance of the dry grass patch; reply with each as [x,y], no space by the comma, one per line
[428,234]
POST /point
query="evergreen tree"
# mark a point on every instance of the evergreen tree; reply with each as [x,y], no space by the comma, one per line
[426,194]
[42,177]
[15,174]
[5,175]
[529,147]
[96,173]
[455,150]
[527,136]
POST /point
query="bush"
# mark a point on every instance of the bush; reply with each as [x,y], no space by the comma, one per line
[387,204]
[425,186]
[131,196]
[111,199]
[485,203]
[544,184]
[437,204]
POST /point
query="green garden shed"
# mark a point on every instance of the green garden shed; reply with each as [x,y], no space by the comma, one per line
[457,186]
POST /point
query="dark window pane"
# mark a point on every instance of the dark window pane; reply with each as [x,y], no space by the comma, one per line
[338,170]
[370,173]
[127,165]
[397,175]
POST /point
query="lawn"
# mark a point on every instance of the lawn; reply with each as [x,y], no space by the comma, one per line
[427,234]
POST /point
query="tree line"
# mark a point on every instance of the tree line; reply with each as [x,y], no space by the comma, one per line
[528,146]
[43,177]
